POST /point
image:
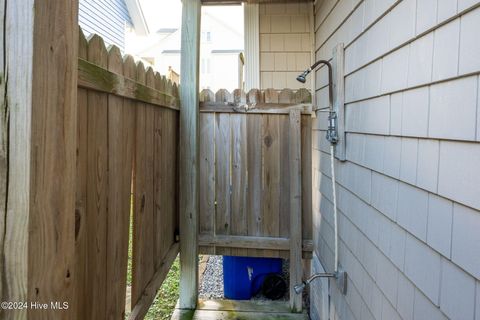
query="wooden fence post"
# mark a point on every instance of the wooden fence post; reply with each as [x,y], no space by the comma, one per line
[339,98]
[295,144]
[189,153]
[39,80]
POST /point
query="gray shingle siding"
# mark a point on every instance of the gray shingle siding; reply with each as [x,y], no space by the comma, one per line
[106,18]
[409,192]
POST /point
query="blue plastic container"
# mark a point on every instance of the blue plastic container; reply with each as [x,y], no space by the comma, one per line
[243,276]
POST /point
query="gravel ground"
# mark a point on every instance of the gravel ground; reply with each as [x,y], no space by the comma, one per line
[211,286]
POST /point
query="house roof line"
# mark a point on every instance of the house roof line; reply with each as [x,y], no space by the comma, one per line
[138,18]
[224,24]
[227,51]
[212,51]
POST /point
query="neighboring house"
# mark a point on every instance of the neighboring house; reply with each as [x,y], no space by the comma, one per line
[111,19]
[285,45]
[221,46]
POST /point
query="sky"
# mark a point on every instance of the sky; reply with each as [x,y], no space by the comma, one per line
[168,14]
[162,13]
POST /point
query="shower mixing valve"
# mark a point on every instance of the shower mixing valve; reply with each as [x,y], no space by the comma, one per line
[332,135]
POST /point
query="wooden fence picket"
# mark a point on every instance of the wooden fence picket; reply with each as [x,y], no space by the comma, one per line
[254,96]
[223,96]
[239,97]
[97,188]
[207,95]
[81,235]
[120,143]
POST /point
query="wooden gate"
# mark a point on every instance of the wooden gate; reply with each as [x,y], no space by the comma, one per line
[127,136]
[246,173]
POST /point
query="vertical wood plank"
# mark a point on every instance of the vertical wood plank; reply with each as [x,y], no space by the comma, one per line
[143,268]
[339,98]
[271,179]
[271,96]
[171,177]
[176,225]
[303,96]
[207,95]
[166,127]
[307,201]
[161,218]
[255,96]
[97,183]
[189,152]
[223,96]
[286,96]
[255,176]
[284,219]
[239,97]
[3,136]
[207,174]
[223,141]
[129,120]
[150,228]
[120,142]
[42,102]
[139,200]
[239,178]
[170,172]
[160,197]
[81,194]
[295,209]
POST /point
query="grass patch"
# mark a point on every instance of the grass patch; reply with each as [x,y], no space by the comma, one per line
[166,299]
[164,304]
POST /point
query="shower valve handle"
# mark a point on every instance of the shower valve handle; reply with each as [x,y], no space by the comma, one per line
[332,135]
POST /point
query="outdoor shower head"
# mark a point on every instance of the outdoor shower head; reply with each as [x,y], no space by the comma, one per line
[303,77]
[299,287]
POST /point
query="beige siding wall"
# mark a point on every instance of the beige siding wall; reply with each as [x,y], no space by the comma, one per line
[409,192]
[285,44]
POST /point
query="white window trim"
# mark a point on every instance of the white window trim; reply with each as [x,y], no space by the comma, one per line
[252,46]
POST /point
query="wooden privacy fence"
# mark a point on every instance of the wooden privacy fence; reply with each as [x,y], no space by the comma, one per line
[127,144]
[246,174]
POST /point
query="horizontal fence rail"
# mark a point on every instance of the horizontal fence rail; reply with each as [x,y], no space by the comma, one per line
[245,173]
[91,76]
[127,142]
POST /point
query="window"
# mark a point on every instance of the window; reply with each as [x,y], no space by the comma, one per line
[206,36]
[205,66]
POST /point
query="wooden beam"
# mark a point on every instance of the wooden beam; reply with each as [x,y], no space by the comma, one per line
[92,76]
[148,295]
[245,306]
[294,146]
[339,99]
[258,108]
[39,48]
[251,242]
[189,153]
[226,2]
[4,132]
[234,315]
